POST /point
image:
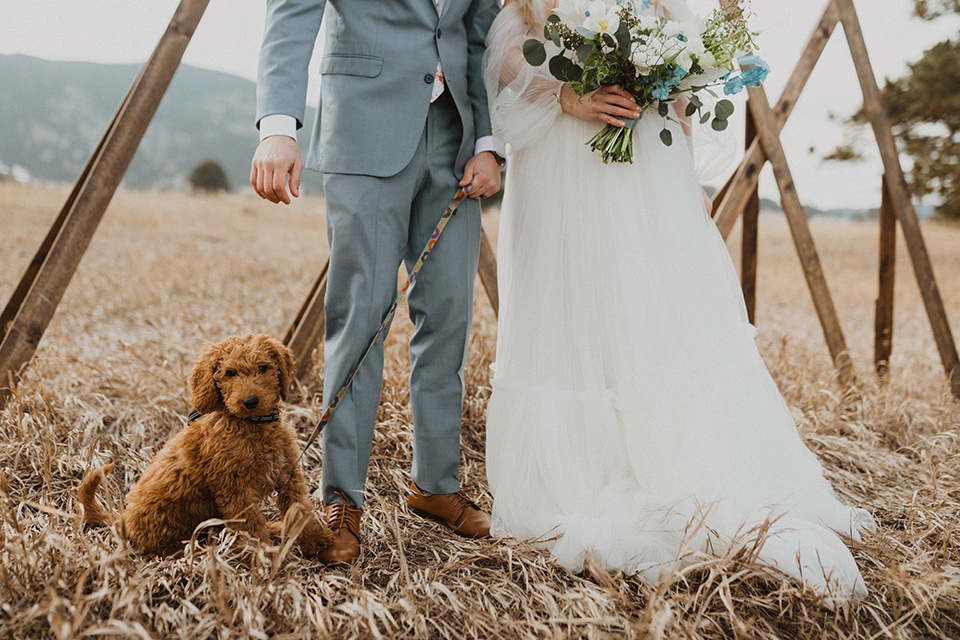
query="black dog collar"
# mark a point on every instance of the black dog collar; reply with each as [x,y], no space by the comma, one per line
[270,417]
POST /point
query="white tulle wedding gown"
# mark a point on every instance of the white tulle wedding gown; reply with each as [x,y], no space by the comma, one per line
[632,419]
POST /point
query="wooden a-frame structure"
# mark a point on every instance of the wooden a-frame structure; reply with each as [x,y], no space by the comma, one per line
[32,305]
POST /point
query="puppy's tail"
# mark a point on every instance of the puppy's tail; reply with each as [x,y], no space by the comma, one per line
[93,513]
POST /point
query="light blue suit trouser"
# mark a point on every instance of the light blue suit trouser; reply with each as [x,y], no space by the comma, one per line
[372,225]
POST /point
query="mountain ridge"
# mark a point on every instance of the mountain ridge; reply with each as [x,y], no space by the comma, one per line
[53,114]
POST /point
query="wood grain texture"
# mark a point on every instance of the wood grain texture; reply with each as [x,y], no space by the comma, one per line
[900,195]
[304,335]
[488,272]
[800,231]
[883,334]
[748,247]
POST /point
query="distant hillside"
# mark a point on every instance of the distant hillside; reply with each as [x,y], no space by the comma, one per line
[52,115]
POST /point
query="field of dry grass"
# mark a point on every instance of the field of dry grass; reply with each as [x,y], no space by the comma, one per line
[167,272]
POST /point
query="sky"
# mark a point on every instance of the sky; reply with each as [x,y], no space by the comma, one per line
[228,39]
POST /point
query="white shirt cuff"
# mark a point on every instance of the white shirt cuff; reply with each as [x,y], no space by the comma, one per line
[278,124]
[486,143]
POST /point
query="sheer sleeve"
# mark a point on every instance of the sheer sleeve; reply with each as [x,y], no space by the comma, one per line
[523,98]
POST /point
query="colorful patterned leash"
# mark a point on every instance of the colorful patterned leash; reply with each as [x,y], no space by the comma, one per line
[328,412]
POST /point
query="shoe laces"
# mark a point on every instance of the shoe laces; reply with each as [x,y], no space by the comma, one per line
[342,513]
[463,501]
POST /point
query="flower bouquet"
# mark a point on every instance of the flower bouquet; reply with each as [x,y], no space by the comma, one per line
[655,59]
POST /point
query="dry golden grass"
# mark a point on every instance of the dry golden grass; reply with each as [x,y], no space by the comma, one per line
[167,272]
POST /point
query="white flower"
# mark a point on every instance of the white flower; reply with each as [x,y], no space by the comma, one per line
[648,23]
[572,12]
[602,17]
[647,55]
[709,76]
[693,50]
[707,60]
[672,29]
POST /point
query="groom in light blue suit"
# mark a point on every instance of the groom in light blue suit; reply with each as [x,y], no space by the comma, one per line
[402,123]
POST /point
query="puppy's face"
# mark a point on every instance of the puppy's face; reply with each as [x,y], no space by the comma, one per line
[249,383]
[245,375]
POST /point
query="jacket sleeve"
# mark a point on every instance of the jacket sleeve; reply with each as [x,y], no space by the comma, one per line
[478,20]
[290,34]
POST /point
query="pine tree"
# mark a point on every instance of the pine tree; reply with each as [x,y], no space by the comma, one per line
[924,109]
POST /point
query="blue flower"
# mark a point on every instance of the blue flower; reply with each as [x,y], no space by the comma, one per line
[732,85]
[645,5]
[757,71]
[675,77]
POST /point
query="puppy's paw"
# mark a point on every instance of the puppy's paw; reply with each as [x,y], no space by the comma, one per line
[276,530]
[311,534]
[256,554]
[316,537]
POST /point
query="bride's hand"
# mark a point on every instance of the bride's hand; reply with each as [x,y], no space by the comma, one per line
[606,104]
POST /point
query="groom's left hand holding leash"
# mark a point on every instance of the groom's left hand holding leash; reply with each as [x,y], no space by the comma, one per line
[275,159]
[483,171]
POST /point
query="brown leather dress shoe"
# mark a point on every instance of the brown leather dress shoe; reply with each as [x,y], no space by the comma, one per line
[451,509]
[344,521]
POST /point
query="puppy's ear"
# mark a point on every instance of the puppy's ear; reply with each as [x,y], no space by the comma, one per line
[204,392]
[284,359]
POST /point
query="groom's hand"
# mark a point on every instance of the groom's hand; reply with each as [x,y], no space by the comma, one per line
[276,157]
[484,172]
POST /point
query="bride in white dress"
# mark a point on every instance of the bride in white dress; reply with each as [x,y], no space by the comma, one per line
[632,419]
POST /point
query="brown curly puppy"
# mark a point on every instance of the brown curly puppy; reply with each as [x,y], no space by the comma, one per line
[225,462]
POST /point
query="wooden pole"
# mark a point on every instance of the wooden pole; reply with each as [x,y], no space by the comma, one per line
[803,240]
[900,195]
[488,272]
[748,247]
[744,181]
[112,159]
[883,336]
[306,332]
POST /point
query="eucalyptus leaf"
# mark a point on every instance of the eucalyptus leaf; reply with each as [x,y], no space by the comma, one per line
[705,117]
[584,52]
[691,109]
[666,137]
[724,109]
[695,100]
[662,108]
[553,18]
[534,52]
[623,37]
[719,124]
[563,69]
[586,33]
[573,71]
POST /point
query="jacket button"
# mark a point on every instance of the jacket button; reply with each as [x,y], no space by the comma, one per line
[439,33]
[428,79]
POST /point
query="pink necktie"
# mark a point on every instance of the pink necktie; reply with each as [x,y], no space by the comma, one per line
[438,76]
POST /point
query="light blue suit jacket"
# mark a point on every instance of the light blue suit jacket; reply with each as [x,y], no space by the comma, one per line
[379,60]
